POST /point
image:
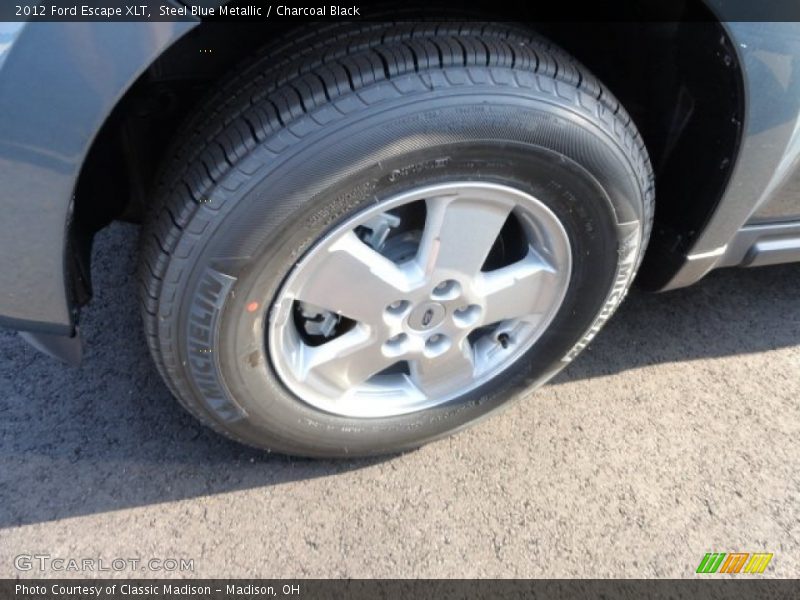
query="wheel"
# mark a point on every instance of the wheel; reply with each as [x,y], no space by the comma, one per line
[374,235]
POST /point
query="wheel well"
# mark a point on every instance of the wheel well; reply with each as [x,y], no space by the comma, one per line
[683,86]
[680,82]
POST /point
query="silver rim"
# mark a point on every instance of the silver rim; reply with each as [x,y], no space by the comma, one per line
[419,299]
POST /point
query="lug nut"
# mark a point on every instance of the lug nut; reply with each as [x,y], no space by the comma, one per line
[436,345]
[397,307]
[467,316]
[395,345]
[448,289]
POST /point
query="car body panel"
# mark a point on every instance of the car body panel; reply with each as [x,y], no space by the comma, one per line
[43,143]
[767,164]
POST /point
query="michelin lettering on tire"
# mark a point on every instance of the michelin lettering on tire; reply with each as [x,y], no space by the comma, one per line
[202,338]
[629,262]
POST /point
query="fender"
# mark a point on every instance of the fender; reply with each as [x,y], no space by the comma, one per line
[768,157]
[58,84]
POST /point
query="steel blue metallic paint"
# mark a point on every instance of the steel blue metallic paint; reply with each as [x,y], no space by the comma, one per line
[8,33]
[58,84]
[770,57]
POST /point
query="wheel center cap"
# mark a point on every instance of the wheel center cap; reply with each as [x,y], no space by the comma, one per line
[426,316]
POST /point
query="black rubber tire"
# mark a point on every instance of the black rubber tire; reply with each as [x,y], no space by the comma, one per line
[312,130]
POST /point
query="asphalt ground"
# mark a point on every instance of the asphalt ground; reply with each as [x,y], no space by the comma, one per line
[675,434]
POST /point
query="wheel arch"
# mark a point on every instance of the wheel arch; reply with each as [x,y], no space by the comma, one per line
[677,110]
[113,175]
[44,147]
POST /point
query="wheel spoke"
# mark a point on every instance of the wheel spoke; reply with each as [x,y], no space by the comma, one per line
[459,233]
[353,280]
[346,361]
[518,290]
[449,370]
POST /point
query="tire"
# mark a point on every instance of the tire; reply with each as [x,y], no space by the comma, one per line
[314,132]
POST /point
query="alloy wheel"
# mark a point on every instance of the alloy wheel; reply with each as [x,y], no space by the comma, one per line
[419,299]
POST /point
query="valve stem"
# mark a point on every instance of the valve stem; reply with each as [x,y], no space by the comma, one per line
[503,340]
